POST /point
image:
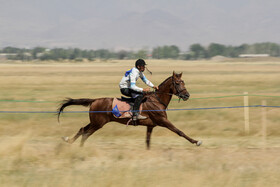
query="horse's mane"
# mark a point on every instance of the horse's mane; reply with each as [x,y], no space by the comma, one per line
[165,81]
[152,93]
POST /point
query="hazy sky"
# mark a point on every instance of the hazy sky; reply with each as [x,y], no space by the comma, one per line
[131,24]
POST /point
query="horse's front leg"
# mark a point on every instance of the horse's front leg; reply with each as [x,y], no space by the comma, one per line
[148,136]
[166,123]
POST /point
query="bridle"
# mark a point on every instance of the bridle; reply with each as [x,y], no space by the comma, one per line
[176,86]
[178,91]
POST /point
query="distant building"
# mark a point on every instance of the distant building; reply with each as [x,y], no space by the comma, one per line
[253,55]
[219,58]
[4,56]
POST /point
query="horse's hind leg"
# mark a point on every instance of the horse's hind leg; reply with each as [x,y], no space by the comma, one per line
[89,132]
[97,122]
[80,132]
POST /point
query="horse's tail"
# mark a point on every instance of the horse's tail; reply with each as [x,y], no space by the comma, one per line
[69,101]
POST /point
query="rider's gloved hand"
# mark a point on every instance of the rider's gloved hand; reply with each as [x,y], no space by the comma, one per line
[155,87]
[146,89]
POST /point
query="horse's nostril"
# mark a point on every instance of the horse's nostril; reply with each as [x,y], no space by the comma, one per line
[185,97]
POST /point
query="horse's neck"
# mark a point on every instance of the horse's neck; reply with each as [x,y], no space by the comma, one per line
[165,99]
[164,94]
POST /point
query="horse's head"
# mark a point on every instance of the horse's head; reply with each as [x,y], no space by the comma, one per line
[178,87]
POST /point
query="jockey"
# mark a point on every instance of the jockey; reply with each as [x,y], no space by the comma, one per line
[128,86]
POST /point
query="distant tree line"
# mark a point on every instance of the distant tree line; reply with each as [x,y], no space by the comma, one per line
[196,51]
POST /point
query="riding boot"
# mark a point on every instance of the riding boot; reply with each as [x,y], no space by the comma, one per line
[136,116]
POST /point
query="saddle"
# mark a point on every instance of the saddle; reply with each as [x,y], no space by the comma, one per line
[121,107]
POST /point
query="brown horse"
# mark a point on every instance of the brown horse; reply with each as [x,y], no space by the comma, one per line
[153,108]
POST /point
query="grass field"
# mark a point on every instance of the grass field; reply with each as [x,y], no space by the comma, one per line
[32,153]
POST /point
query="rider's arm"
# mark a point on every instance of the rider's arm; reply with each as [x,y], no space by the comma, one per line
[146,81]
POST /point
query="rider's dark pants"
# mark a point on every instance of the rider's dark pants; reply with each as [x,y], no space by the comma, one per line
[138,96]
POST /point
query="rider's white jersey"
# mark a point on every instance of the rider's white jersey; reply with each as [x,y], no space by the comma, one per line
[130,78]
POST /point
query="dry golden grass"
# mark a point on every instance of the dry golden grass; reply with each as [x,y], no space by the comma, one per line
[32,153]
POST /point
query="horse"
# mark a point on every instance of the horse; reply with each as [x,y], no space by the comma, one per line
[154,108]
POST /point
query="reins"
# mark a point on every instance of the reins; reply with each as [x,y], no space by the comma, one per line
[165,94]
[162,93]
[178,94]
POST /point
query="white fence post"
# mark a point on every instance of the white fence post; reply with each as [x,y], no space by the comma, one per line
[246,113]
[264,124]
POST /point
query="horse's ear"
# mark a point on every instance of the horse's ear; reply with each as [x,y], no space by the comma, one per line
[177,75]
[174,73]
[180,75]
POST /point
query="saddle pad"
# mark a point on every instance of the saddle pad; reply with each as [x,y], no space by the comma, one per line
[122,109]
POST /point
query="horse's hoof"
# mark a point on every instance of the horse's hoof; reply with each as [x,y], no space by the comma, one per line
[198,143]
[65,138]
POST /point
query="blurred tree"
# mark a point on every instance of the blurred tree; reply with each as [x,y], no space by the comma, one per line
[174,52]
[122,54]
[215,49]
[36,51]
[156,53]
[12,50]
[103,54]
[141,54]
[198,51]
[166,52]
